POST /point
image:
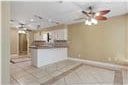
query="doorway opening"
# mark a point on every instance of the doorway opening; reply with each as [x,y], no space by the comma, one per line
[23,44]
[20,51]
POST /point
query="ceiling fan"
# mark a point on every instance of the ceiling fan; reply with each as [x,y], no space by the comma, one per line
[97,15]
[93,17]
[37,21]
[22,27]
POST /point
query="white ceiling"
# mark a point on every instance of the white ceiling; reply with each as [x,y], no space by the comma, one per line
[64,12]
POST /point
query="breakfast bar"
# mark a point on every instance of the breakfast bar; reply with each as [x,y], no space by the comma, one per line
[44,56]
[48,54]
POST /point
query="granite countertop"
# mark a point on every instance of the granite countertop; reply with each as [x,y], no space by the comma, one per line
[55,44]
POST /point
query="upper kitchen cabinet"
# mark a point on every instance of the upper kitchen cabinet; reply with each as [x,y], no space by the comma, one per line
[38,36]
[54,34]
[59,34]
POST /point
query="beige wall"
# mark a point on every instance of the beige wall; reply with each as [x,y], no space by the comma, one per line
[13,41]
[106,42]
[126,36]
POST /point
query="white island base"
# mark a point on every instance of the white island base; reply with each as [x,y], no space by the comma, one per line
[44,56]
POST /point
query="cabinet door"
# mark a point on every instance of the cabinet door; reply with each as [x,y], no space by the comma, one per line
[38,36]
[60,34]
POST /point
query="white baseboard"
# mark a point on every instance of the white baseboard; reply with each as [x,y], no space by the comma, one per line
[100,64]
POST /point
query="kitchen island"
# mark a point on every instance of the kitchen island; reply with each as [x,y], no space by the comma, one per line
[48,54]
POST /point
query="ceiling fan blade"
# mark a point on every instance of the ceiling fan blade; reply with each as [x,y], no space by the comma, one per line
[28,30]
[101,18]
[39,17]
[104,12]
[85,13]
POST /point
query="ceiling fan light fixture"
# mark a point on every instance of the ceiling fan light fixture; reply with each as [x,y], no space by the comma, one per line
[91,21]
[97,14]
[94,21]
[87,22]
[21,31]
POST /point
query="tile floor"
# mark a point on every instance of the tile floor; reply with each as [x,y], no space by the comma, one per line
[87,75]
[25,74]
[66,72]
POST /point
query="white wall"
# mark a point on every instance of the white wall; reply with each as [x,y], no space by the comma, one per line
[5,48]
[0,45]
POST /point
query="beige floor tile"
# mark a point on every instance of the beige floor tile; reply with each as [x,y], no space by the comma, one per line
[40,74]
[45,79]
[28,80]
[33,70]
[13,82]
[104,76]
[51,68]
[55,73]
[20,74]
[24,64]
[87,76]
[72,78]
[60,82]
[15,68]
